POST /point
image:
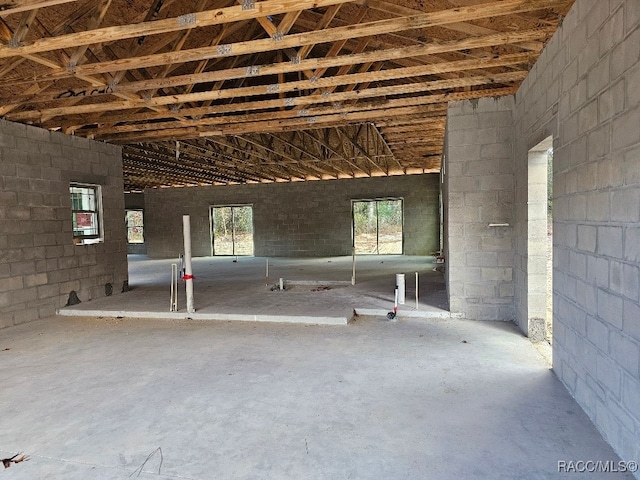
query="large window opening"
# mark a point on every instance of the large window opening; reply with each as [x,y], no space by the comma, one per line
[232,230]
[377,226]
[86,213]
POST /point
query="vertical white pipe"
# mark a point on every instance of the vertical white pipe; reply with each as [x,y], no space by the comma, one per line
[188,272]
[395,301]
[266,278]
[416,290]
[401,287]
[281,284]
[174,288]
[353,266]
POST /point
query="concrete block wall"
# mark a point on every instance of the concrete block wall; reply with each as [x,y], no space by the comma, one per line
[39,263]
[479,182]
[585,91]
[298,219]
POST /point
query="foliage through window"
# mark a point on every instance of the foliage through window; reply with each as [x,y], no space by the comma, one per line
[86,204]
[377,226]
[232,230]
[135,226]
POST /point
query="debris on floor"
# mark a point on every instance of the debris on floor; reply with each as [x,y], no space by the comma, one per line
[17,458]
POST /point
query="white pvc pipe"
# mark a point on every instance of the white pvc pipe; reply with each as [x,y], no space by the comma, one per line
[395,301]
[174,288]
[266,278]
[416,290]
[401,289]
[353,267]
[281,284]
[188,272]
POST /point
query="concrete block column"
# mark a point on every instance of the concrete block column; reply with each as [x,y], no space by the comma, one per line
[479,196]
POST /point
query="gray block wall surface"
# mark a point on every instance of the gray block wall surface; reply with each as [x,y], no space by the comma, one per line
[299,219]
[39,263]
[584,91]
[479,182]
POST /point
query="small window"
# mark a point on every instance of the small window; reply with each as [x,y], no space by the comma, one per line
[135,226]
[86,206]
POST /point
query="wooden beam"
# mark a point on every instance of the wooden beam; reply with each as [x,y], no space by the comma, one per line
[428,100]
[504,7]
[9,7]
[464,27]
[188,21]
[295,86]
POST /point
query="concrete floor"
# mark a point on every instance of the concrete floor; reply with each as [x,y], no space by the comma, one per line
[225,289]
[93,398]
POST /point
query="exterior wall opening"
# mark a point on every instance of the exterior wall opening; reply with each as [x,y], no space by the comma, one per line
[86,213]
[377,226]
[231,230]
[540,242]
[135,227]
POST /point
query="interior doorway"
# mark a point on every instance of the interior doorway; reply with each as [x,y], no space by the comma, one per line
[540,242]
[377,226]
[231,230]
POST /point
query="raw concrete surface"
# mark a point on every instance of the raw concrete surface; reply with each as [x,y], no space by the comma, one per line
[225,289]
[93,398]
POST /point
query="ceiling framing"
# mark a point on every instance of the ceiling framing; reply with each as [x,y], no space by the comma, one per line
[203,92]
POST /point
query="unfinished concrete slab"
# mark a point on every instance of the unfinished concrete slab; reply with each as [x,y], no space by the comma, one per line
[316,290]
[430,399]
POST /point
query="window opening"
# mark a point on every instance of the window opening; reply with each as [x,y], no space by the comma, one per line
[232,230]
[86,213]
[377,226]
[135,226]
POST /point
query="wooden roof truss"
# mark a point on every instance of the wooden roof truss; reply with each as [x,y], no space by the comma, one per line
[236,91]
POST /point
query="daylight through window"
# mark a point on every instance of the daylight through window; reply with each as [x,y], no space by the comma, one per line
[135,226]
[85,213]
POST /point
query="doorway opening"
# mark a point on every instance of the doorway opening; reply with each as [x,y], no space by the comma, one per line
[540,242]
[231,230]
[377,226]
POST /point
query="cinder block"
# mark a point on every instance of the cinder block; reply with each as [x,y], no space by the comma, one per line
[598,334]
[577,208]
[631,320]
[598,271]
[598,207]
[625,205]
[610,309]
[497,274]
[24,295]
[23,268]
[610,241]
[11,283]
[35,280]
[625,352]
[482,312]
[631,16]
[598,77]
[623,134]
[611,101]
[587,238]
[588,117]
